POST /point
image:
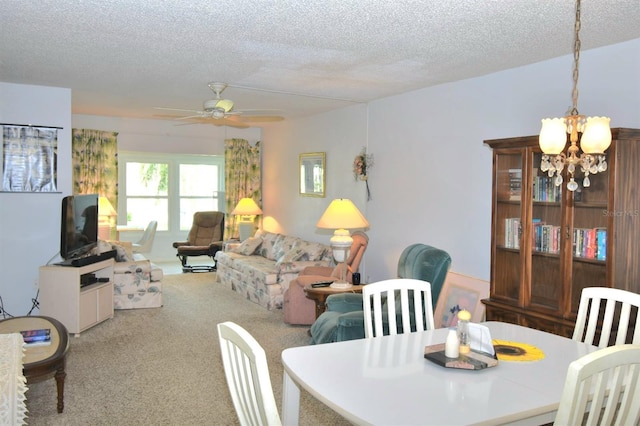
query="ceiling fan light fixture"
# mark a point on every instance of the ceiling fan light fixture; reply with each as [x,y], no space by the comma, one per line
[224,105]
[218,113]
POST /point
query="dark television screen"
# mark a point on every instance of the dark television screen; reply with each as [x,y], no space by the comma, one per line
[79,229]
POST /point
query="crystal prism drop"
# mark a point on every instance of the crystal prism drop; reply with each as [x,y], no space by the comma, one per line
[586,182]
[572,185]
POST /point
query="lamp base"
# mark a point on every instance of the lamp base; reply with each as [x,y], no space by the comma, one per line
[341,285]
[246,230]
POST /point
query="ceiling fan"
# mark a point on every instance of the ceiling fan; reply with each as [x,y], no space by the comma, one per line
[222,111]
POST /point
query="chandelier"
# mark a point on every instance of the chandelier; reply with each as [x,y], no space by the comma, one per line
[596,135]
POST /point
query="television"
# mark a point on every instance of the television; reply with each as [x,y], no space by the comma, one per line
[79,225]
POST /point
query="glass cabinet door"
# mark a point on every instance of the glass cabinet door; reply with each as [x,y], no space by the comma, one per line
[507,235]
[589,236]
[547,234]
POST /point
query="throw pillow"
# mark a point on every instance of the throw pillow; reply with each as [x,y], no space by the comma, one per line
[248,246]
[268,242]
[124,251]
[313,251]
[291,256]
[103,247]
[283,244]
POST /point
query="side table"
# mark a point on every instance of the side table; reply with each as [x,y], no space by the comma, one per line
[320,294]
[41,361]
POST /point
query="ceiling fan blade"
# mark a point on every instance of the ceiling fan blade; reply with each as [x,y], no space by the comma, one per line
[260,118]
[257,111]
[178,109]
[189,117]
[230,123]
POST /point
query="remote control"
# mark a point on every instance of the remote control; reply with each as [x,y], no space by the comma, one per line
[322,284]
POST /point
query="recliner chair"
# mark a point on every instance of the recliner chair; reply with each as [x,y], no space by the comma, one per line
[205,239]
[300,310]
[344,317]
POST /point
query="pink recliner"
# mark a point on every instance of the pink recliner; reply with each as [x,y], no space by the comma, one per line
[297,308]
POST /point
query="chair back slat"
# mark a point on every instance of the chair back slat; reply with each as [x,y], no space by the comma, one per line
[611,311]
[408,298]
[602,388]
[247,373]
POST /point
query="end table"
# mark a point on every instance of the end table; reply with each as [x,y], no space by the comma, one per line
[320,294]
[40,361]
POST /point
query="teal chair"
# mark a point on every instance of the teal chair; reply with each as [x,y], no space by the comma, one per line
[344,317]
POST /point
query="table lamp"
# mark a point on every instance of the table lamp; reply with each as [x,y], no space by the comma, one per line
[106,213]
[247,209]
[342,215]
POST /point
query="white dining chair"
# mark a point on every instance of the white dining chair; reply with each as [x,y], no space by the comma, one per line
[602,388]
[592,300]
[144,244]
[247,373]
[412,296]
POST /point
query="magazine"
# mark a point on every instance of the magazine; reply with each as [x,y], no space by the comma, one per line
[37,337]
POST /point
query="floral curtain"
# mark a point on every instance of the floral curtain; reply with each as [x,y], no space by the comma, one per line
[243,178]
[94,157]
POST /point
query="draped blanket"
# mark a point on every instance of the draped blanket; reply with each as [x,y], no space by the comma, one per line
[13,384]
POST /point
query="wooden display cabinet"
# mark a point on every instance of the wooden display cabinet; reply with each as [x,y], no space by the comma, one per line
[78,308]
[549,243]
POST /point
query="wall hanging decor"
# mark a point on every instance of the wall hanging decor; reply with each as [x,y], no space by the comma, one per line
[312,174]
[29,158]
[361,166]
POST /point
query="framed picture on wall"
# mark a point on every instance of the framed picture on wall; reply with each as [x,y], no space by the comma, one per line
[312,174]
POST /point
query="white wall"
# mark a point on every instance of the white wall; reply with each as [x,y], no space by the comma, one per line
[30,222]
[431,179]
[341,134]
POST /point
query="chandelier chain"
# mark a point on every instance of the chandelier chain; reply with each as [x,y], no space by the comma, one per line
[576,60]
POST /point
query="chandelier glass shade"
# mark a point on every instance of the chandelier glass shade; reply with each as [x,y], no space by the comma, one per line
[591,134]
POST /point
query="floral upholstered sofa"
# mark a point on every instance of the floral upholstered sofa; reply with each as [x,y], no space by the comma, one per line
[261,267]
[137,283]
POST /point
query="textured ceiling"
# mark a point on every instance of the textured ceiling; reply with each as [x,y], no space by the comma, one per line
[125,57]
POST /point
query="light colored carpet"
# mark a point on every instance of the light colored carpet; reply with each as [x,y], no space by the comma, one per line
[162,366]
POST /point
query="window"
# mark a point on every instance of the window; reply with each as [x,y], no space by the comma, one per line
[168,188]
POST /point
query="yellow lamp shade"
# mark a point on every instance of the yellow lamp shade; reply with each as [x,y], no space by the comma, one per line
[247,207]
[342,214]
[105,208]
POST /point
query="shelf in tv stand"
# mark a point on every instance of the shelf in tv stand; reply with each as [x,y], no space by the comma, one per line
[78,308]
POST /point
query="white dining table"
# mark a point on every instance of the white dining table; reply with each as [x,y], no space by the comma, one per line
[387,381]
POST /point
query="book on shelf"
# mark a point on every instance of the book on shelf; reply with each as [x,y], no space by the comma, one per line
[515,184]
[546,238]
[37,337]
[544,189]
[590,243]
[512,232]
[601,243]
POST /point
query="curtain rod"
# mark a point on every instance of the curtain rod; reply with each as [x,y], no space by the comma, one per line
[30,125]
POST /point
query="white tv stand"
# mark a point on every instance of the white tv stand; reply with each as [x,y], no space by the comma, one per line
[62,298]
